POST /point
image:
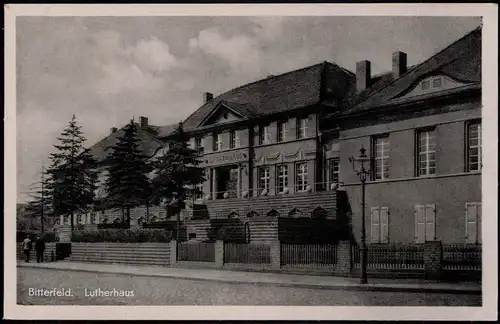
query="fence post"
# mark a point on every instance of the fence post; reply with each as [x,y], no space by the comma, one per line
[275,254]
[173,253]
[344,258]
[219,254]
[433,259]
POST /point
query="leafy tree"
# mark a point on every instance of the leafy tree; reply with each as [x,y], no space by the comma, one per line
[72,174]
[177,173]
[127,184]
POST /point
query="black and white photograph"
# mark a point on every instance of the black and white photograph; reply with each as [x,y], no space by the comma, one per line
[242,157]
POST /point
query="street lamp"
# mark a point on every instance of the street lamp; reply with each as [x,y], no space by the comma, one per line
[362,173]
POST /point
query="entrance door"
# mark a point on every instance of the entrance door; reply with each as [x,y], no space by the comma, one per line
[232,184]
[223,177]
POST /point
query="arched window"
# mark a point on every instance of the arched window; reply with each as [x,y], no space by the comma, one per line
[154,219]
[117,220]
[319,212]
[252,214]
[140,221]
[273,213]
[295,213]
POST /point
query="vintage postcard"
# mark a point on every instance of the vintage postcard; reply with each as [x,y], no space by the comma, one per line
[251,162]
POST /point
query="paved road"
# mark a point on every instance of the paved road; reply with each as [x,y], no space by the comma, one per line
[163,291]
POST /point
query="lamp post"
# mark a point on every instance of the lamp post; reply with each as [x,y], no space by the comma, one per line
[362,173]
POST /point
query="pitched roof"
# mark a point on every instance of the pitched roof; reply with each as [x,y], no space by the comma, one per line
[460,60]
[149,142]
[166,130]
[288,91]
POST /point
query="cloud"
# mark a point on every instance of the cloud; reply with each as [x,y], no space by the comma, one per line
[153,55]
[240,52]
[268,28]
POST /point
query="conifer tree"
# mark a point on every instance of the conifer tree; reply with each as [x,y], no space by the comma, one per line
[41,205]
[177,173]
[127,184]
[72,174]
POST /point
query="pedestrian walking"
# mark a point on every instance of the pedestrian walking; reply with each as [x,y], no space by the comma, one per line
[40,248]
[27,246]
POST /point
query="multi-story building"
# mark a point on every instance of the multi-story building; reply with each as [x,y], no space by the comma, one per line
[279,147]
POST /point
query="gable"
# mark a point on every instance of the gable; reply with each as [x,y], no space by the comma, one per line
[220,115]
[430,84]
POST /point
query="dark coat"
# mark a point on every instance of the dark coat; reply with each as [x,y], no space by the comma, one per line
[40,245]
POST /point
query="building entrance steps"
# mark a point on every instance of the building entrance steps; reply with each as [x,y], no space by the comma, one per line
[260,278]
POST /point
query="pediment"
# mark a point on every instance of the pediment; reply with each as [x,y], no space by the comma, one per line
[221,114]
[430,84]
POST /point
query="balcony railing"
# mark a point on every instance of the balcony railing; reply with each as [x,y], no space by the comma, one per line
[270,191]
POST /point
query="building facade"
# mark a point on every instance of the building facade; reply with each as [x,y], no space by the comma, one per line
[280,148]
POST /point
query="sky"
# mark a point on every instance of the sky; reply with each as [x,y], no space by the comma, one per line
[107,70]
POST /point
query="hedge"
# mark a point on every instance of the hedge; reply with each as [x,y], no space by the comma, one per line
[47,236]
[133,235]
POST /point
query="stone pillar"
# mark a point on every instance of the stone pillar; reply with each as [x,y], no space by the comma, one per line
[173,253]
[344,258]
[275,255]
[433,256]
[219,254]
[214,183]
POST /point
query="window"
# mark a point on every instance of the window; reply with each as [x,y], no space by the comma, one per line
[281,131]
[425,223]
[264,135]
[140,221]
[198,144]
[117,221]
[426,85]
[234,139]
[170,145]
[105,221]
[282,175]
[79,219]
[436,83]
[381,157]
[474,147]
[301,176]
[473,223]
[93,218]
[263,179]
[217,141]
[380,224]
[426,153]
[333,168]
[67,220]
[301,128]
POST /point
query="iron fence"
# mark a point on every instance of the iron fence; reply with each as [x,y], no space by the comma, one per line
[247,253]
[462,257]
[198,252]
[391,256]
[310,254]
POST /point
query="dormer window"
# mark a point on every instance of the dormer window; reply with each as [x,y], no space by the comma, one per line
[426,85]
[436,83]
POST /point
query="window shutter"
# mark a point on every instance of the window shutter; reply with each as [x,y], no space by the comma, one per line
[420,224]
[384,224]
[375,221]
[471,222]
[430,222]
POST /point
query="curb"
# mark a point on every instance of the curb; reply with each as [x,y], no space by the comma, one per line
[414,288]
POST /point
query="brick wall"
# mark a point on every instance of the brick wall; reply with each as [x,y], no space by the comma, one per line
[128,253]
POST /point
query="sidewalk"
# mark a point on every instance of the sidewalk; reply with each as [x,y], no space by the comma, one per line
[259,278]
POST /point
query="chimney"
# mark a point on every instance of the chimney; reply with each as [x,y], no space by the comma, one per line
[398,64]
[207,96]
[143,121]
[113,130]
[363,75]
